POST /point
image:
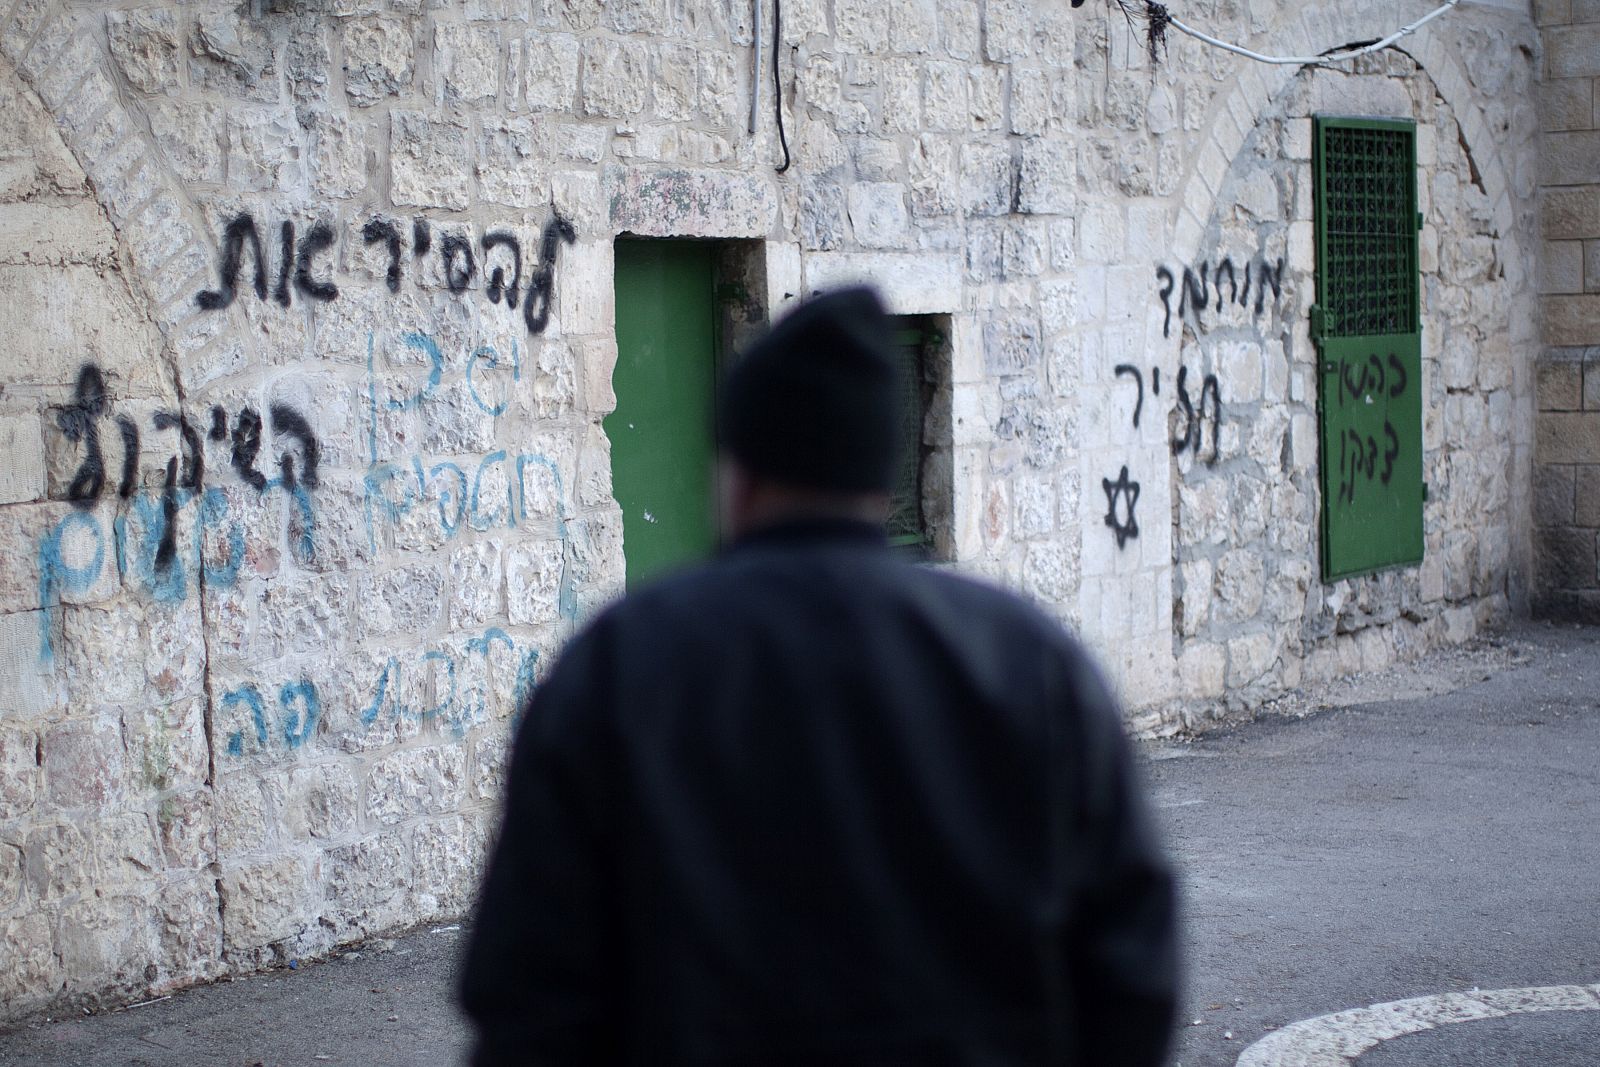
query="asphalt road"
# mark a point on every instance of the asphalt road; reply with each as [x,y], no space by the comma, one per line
[1437,834]
[1395,850]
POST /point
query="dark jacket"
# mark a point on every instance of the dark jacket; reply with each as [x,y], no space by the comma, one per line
[811,804]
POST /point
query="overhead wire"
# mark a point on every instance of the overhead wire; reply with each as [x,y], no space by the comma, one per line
[1160,19]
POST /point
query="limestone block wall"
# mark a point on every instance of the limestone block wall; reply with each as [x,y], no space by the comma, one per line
[1569,221]
[311,302]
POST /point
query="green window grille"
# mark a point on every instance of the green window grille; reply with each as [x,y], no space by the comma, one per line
[906,527]
[1368,332]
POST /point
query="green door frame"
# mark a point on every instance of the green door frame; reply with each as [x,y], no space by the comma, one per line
[661,433]
[1367,328]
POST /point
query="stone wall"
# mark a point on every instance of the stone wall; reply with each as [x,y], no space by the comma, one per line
[305,480]
[1567,494]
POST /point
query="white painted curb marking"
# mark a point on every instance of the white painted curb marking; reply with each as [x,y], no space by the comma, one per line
[1336,1040]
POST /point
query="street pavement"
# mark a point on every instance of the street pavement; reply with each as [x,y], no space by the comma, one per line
[1426,836]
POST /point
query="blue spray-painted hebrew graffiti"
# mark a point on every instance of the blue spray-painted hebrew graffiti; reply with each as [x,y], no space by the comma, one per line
[142,540]
[179,536]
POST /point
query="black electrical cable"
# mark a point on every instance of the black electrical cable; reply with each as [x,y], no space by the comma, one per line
[777,79]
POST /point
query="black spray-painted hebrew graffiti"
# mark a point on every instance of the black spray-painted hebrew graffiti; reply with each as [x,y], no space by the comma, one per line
[78,421]
[1138,379]
[1362,457]
[1193,426]
[1194,416]
[300,260]
[1194,421]
[1122,521]
[185,471]
[1194,289]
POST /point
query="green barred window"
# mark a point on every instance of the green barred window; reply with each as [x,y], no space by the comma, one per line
[1368,331]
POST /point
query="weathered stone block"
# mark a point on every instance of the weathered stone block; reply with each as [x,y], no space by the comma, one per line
[1240,584]
[1568,214]
[266,150]
[19,772]
[988,179]
[233,56]
[1586,496]
[429,160]
[58,862]
[878,214]
[405,600]
[1553,495]
[424,781]
[1568,437]
[1560,385]
[144,43]
[1046,179]
[1552,12]
[188,930]
[365,892]
[1565,558]
[1007,30]
[673,86]
[187,830]
[550,71]
[1570,158]
[1591,266]
[1571,320]
[944,97]
[1567,104]
[861,25]
[1561,267]
[1202,671]
[477,584]
[1249,658]
[33,971]
[615,77]
[303,613]
[338,158]
[988,96]
[125,851]
[191,137]
[22,472]
[82,762]
[1573,53]
[467,60]
[10,876]
[934,181]
[265,902]
[534,572]
[321,802]
[1591,377]
[307,59]
[446,868]
[1011,344]
[166,745]
[379,59]
[705,203]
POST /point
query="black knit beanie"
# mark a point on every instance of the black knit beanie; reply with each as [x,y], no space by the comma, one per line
[815,402]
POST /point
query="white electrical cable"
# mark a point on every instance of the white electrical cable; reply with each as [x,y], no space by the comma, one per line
[1332,57]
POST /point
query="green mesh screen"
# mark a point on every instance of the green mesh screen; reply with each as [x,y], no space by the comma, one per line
[905,520]
[1368,280]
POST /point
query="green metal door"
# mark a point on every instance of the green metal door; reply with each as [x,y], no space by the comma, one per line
[665,380]
[1368,332]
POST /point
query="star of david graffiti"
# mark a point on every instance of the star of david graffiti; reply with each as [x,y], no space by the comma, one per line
[1125,525]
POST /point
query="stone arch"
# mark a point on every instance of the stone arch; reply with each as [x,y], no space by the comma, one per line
[1312,31]
[60,53]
